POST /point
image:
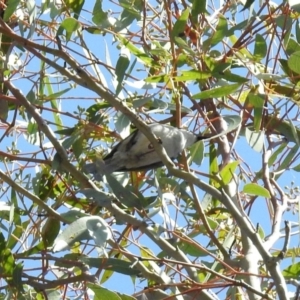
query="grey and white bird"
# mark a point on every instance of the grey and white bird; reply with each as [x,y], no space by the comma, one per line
[136,153]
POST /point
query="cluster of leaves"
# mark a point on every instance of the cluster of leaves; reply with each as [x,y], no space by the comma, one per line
[75,76]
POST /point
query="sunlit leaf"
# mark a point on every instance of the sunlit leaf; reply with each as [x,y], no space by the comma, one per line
[294,62]
[121,67]
[219,34]
[179,26]
[105,294]
[258,102]
[70,25]
[248,4]
[228,171]
[257,190]
[100,17]
[197,152]
[255,139]
[11,6]
[192,75]
[218,92]
[289,158]
[116,265]
[91,227]
[292,271]
[75,5]
[260,47]
[198,7]
[146,59]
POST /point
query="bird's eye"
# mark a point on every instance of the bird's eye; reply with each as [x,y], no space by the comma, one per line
[150,146]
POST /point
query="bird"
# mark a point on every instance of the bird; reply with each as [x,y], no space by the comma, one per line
[136,152]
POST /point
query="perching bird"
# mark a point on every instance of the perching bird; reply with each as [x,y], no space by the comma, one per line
[136,153]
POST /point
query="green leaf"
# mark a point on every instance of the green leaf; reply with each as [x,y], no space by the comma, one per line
[70,141]
[294,132]
[282,128]
[67,131]
[213,164]
[16,233]
[297,28]
[255,189]
[247,4]
[121,67]
[146,59]
[53,96]
[229,77]
[181,43]
[274,156]
[105,294]
[192,75]
[95,108]
[100,17]
[78,146]
[292,45]
[57,95]
[220,33]
[255,139]
[294,62]
[172,107]
[7,262]
[11,6]
[50,231]
[101,198]
[33,134]
[293,271]
[297,168]
[132,11]
[125,195]
[158,106]
[32,11]
[113,264]
[258,103]
[228,171]
[75,6]
[179,26]
[198,7]
[122,123]
[3,109]
[197,152]
[261,233]
[192,249]
[158,79]
[70,25]
[83,229]
[218,92]
[288,159]
[260,47]
[233,122]
[17,277]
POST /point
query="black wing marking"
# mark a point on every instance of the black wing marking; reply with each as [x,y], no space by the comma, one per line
[130,143]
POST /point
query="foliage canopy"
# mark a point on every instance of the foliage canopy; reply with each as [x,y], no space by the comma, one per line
[217,223]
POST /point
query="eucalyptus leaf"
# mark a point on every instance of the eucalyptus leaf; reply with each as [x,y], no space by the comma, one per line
[255,189]
[255,139]
[83,229]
